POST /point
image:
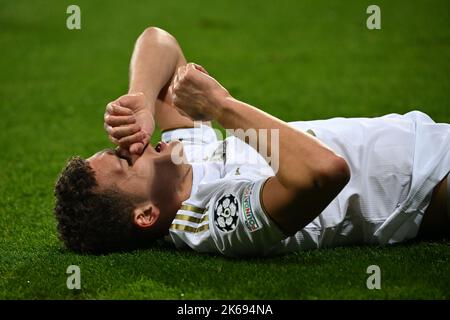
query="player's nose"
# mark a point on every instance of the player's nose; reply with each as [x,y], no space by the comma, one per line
[133,158]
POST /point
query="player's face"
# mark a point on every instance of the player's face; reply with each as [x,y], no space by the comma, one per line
[141,176]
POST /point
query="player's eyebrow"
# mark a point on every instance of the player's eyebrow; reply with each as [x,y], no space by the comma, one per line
[109,151]
[113,152]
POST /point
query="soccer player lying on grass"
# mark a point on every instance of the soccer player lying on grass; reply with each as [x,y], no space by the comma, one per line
[338,182]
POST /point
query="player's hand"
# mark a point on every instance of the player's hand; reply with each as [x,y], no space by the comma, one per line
[195,93]
[129,122]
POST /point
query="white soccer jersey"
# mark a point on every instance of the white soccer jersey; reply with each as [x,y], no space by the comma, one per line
[395,162]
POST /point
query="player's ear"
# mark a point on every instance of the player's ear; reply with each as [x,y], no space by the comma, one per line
[146,215]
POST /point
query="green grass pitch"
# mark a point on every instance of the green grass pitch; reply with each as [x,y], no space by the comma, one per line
[299,60]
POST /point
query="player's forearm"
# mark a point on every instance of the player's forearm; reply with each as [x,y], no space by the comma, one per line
[303,160]
[153,63]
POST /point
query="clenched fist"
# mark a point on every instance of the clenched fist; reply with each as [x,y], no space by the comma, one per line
[195,93]
[129,122]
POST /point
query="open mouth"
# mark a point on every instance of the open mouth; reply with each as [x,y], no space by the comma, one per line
[130,159]
[160,146]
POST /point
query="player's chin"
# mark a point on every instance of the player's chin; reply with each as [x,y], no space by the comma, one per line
[175,150]
[172,145]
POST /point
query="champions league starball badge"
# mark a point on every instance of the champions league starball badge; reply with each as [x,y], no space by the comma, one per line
[226,213]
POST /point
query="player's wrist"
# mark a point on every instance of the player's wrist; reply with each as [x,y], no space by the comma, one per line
[147,102]
[222,106]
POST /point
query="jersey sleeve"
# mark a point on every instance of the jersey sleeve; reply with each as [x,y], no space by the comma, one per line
[198,142]
[238,222]
[201,134]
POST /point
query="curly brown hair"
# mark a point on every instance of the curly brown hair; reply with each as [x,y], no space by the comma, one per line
[90,221]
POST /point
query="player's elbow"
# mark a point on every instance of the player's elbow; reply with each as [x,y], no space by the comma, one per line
[151,32]
[334,173]
[155,34]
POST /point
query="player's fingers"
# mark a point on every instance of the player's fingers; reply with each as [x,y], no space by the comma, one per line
[123,152]
[137,148]
[181,72]
[123,131]
[113,140]
[176,79]
[115,121]
[170,90]
[131,99]
[117,110]
[200,68]
[175,83]
[138,137]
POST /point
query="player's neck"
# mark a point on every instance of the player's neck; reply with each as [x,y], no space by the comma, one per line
[183,191]
[185,187]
